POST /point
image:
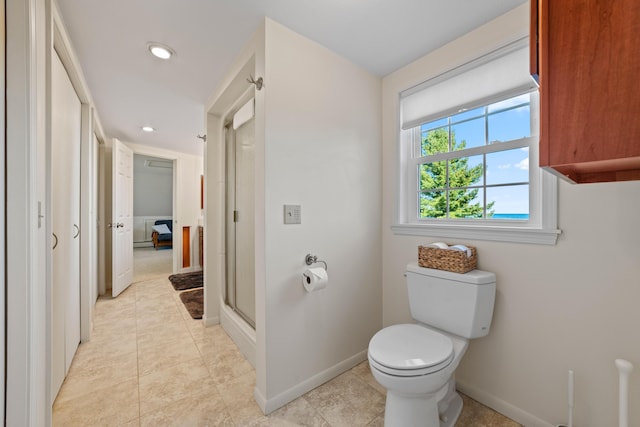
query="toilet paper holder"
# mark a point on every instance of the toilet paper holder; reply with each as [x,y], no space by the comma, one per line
[312,259]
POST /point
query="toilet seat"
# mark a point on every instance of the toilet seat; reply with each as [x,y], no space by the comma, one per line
[410,350]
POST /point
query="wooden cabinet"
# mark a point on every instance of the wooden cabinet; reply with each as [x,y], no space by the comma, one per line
[586,57]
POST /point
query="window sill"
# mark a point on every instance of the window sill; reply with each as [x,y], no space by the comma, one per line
[530,235]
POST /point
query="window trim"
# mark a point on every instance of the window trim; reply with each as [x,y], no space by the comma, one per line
[540,228]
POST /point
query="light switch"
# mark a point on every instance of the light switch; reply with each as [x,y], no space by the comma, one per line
[292,214]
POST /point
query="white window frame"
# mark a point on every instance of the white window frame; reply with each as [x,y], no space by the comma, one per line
[540,228]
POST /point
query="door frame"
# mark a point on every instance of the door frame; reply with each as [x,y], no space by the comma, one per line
[177,234]
[28,263]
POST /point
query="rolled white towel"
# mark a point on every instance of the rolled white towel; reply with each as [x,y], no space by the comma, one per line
[461,248]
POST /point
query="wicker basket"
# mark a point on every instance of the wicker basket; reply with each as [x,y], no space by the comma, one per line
[447,259]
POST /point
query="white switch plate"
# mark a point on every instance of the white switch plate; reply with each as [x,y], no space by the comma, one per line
[292,214]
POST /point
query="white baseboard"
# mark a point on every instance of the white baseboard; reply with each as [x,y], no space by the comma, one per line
[210,321]
[270,405]
[191,269]
[240,332]
[499,405]
[142,244]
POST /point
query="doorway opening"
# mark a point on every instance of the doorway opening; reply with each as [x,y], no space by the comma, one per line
[153,202]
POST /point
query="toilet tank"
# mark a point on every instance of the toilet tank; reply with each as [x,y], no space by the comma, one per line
[461,304]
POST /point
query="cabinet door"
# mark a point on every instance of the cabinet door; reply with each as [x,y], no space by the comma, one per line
[589,63]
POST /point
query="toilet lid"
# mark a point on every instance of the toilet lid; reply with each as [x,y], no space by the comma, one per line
[410,348]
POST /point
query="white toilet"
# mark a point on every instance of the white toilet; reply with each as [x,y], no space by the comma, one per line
[416,362]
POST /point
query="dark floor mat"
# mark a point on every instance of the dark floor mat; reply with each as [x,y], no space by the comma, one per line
[194,302]
[184,281]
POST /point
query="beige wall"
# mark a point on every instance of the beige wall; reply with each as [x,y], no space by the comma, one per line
[322,151]
[317,144]
[569,306]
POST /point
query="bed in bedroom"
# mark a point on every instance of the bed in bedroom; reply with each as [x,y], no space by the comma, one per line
[162,234]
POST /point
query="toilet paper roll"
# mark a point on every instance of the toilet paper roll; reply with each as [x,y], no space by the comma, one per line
[314,279]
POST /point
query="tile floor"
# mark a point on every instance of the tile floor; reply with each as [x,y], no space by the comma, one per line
[149,364]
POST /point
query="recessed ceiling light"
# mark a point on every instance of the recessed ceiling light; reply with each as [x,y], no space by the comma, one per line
[160,51]
[147,128]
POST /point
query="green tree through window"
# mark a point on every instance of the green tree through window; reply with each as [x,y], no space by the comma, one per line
[436,191]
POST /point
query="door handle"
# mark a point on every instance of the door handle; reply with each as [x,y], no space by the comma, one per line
[120,225]
[56,243]
[110,225]
[77,230]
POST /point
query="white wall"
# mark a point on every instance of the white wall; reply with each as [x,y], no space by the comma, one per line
[322,139]
[152,189]
[569,306]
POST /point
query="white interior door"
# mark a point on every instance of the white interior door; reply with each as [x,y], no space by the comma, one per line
[65,174]
[122,218]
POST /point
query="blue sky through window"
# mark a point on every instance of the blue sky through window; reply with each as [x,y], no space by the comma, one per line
[506,172]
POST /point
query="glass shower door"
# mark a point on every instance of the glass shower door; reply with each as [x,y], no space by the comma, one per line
[240,286]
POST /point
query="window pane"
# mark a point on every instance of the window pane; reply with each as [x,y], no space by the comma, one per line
[435,141]
[467,115]
[510,124]
[509,202]
[465,172]
[510,166]
[468,134]
[467,203]
[432,175]
[432,204]
[435,124]
[508,103]
[492,185]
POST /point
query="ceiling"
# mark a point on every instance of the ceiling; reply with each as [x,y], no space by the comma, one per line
[131,89]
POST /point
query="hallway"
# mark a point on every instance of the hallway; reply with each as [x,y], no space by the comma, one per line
[149,364]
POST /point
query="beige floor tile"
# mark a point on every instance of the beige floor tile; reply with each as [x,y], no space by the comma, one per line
[195,410]
[110,313]
[111,406]
[347,401]
[157,356]
[238,397]
[149,321]
[160,333]
[227,364]
[200,331]
[83,380]
[377,422]
[161,388]
[104,350]
[298,412]
[475,414]
[363,371]
[154,287]
[150,304]
[114,327]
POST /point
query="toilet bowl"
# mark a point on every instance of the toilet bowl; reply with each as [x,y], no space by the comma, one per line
[416,362]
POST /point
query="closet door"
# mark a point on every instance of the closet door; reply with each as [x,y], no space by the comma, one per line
[65,174]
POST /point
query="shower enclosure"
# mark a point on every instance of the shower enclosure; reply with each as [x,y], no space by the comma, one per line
[240,271]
